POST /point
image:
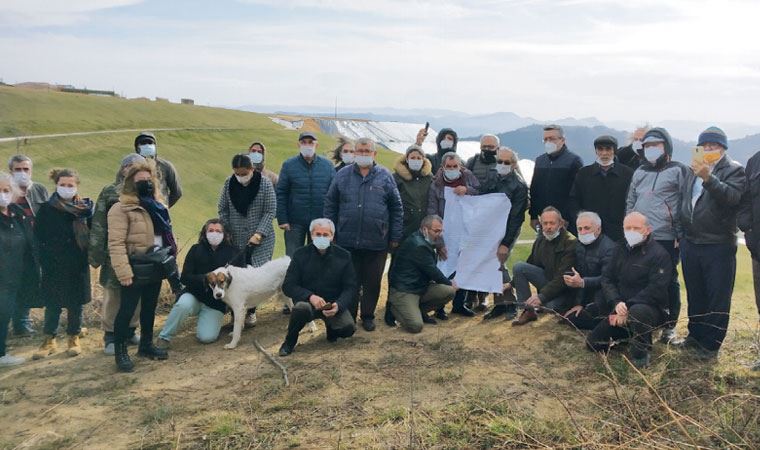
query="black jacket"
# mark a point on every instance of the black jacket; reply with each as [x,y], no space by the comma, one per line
[638,275]
[590,262]
[414,266]
[330,276]
[603,193]
[553,177]
[435,160]
[628,157]
[748,217]
[17,245]
[516,190]
[712,220]
[202,259]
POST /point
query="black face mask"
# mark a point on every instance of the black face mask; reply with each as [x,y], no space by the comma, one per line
[488,156]
[145,188]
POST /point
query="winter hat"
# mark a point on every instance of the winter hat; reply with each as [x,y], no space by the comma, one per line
[145,136]
[414,148]
[441,135]
[713,134]
[131,159]
[605,141]
[658,134]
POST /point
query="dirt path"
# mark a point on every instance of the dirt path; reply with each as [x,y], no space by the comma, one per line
[89,133]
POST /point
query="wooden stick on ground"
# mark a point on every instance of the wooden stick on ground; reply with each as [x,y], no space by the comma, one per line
[274,361]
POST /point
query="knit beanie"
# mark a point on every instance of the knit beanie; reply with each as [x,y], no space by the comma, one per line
[713,134]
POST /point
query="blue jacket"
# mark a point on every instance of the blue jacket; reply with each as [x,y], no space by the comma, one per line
[367,211]
[301,189]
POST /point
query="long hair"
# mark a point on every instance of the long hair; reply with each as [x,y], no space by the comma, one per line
[202,237]
[58,173]
[128,186]
[336,153]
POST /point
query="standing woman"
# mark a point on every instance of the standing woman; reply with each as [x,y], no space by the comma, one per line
[343,154]
[138,222]
[62,230]
[257,153]
[17,244]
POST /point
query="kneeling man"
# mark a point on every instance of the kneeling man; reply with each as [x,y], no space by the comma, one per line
[322,282]
[416,285]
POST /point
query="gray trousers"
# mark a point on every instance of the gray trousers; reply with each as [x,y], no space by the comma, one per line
[524,275]
[408,308]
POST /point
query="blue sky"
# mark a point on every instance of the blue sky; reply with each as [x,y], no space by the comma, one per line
[625,60]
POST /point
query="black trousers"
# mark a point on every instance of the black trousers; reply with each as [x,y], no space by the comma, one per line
[130,297]
[756,282]
[7,308]
[340,325]
[369,266]
[589,317]
[642,320]
[674,287]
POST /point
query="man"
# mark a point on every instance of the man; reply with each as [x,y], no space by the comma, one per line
[553,177]
[602,187]
[171,189]
[481,164]
[714,190]
[301,190]
[593,253]
[416,285]
[445,142]
[33,195]
[656,191]
[634,286]
[552,255]
[506,179]
[364,200]
[629,155]
[748,220]
[322,282]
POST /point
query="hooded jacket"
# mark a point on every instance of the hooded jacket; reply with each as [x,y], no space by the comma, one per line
[656,191]
[435,160]
[413,187]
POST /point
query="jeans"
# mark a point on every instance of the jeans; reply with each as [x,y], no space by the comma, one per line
[340,325]
[209,319]
[7,307]
[642,320]
[369,266]
[523,275]
[408,308]
[674,288]
[294,239]
[130,297]
[73,320]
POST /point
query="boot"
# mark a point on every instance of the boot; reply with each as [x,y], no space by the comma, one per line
[152,352]
[123,363]
[48,347]
[528,315]
[511,312]
[495,312]
[75,349]
[388,318]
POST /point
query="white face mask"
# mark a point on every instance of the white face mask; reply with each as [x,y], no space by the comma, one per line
[550,147]
[636,145]
[414,164]
[452,174]
[503,169]
[605,163]
[653,153]
[256,157]
[307,151]
[633,238]
[214,237]
[364,160]
[587,238]
[552,236]
[321,242]
[147,150]
[244,179]
[66,193]
[5,199]
[22,179]
[447,144]
[348,158]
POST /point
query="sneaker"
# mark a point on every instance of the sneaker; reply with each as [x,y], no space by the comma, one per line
[10,360]
[162,344]
[250,319]
[109,349]
[48,347]
[528,315]
[75,348]
[286,349]
[669,336]
[134,340]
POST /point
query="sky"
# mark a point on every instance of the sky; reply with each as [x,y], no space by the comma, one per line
[628,60]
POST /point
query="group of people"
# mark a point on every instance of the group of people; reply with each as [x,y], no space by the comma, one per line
[610,236]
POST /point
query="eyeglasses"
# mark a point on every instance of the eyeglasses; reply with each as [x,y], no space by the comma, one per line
[712,146]
[506,163]
[487,148]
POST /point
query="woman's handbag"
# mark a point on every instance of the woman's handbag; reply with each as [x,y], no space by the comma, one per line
[149,268]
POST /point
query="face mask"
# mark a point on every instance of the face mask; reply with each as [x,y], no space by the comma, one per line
[552,236]
[5,199]
[452,174]
[414,164]
[636,145]
[633,238]
[22,179]
[256,157]
[603,163]
[321,242]
[214,237]
[244,179]
[307,151]
[587,238]
[488,156]
[712,156]
[427,236]
[550,147]
[147,150]
[364,160]
[503,169]
[653,153]
[66,193]
[144,188]
[447,144]
[348,158]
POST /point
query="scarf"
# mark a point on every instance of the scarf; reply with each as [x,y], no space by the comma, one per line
[242,196]
[162,224]
[81,209]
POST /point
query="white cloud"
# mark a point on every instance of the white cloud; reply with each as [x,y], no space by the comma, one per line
[40,13]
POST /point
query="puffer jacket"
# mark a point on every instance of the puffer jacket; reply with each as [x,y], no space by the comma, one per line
[590,262]
[555,257]
[435,160]
[414,266]
[97,253]
[480,168]
[516,190]
[712,220]
[413,187]
[367,211]
[436,197]
[301,189]
[130,232]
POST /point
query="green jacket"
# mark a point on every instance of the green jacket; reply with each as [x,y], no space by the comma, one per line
[413,188]
[555,257]
[98,247]
[414,266]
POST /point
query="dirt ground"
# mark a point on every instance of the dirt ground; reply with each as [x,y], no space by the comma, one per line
[464,383]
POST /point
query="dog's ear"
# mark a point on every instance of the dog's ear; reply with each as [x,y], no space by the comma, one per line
[210,277]
[227,280]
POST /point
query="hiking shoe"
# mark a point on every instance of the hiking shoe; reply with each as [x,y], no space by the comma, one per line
[528,315]
[75,348]
[48,347]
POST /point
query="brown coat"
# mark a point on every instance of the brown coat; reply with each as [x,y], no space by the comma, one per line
[130,232]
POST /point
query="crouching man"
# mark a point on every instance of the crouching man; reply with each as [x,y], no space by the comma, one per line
[635,287]
[417,286]
[322,282]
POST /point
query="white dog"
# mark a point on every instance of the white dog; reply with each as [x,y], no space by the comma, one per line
[244,288]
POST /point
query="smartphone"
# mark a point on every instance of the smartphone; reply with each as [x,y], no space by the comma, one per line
[698,154]
[569,273]
[427,125]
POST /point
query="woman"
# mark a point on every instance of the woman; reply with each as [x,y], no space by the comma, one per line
[17,244]
[343,154]
[413,177]
[247,207]
[62,230]
[257,153]
[137,223]
[213,250]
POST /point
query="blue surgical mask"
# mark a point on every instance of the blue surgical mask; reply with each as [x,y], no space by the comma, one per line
[364,160]
[452,174]
[347,158]
[256,157]
[653,153]
[321,242]
[147,150]
[307,151]
[447,144]
[414,164]
[550,147]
